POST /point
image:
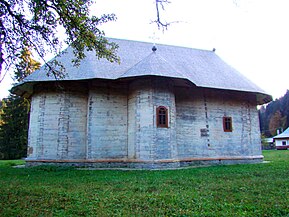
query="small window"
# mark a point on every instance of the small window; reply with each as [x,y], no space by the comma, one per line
[227,124]
[284,143]
[162,117]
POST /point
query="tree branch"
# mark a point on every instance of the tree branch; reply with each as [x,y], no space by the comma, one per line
[36,28]
[160,4]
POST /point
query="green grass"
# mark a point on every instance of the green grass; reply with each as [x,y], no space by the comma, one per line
[11,163]
[232,190]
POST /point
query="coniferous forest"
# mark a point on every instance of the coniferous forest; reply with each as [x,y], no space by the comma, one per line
[275,116]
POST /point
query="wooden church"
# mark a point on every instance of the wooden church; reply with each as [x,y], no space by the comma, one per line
[161,107]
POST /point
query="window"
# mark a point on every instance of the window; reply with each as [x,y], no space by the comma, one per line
[227,124]
[162,117]
[284,143]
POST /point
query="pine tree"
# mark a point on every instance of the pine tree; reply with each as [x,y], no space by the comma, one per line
[13,131]
[14,114]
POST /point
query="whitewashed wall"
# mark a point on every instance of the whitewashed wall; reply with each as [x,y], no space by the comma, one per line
[117,121]
[57,127]
[146,141]
[200,109]
[107,122]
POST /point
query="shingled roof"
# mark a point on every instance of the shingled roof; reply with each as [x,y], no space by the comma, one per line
[201,67]
[283,135]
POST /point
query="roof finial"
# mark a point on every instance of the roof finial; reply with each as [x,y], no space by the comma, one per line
[214,49]
[154,38]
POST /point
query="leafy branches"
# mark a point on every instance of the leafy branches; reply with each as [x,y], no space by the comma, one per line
[35,24]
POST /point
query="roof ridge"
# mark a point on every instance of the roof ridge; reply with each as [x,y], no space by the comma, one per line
[148,57]
[160,44]
[133,66]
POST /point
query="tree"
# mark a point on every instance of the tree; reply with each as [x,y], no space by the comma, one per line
[34,24]
[14,113]
[2,105]
[26,65]
[275,116]
[276,122]
[13,131]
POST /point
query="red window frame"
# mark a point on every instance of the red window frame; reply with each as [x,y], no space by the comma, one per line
[227,124]
[162,117]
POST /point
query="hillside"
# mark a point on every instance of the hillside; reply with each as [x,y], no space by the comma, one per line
[275,116]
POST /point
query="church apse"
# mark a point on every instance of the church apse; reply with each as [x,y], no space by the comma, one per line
[57,128]
[147,141]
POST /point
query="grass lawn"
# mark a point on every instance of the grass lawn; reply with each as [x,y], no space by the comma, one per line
[232,190]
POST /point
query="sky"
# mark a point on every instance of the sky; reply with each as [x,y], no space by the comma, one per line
[250,35]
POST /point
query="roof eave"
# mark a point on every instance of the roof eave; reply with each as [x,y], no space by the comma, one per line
[23,89]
